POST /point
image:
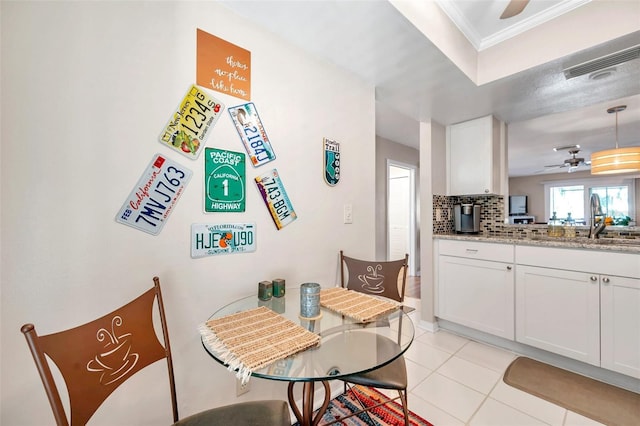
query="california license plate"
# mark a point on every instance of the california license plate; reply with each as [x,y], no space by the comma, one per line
[251,131]
[155,195]
[211,240]
[190,124]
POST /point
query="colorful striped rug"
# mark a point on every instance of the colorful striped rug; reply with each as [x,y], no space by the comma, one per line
[386,415]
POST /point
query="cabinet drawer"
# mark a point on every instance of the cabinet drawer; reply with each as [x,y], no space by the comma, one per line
[593,261]
[477,250]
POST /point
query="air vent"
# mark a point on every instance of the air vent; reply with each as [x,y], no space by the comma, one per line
[603,62]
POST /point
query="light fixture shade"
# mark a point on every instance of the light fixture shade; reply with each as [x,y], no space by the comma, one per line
[619,160]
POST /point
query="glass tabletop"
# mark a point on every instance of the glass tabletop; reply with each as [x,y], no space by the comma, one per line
[346,346]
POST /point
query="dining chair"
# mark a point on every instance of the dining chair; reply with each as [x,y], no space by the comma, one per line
[386,279]
[95,358]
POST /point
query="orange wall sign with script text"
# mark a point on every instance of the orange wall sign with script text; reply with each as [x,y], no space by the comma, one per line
[223,66]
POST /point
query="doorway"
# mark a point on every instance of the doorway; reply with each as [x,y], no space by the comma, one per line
[401,213]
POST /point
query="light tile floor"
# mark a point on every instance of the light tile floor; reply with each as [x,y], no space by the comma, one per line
[457,381]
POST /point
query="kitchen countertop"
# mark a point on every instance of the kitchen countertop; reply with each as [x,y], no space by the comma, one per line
[603,244]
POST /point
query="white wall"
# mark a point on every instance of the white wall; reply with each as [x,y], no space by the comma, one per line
[86,89]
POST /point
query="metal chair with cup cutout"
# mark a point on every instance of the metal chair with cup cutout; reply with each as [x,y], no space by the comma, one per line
[96,358]
[387,279]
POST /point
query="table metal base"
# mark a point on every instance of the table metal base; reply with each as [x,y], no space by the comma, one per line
[306,417]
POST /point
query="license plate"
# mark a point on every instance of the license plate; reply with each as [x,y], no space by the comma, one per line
[275,197]
[212,240]
[155,195]
[190,124]
[251,131]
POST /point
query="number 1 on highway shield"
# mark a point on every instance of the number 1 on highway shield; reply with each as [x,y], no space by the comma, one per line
[224,181]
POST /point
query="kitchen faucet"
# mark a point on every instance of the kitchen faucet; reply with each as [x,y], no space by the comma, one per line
[596,228]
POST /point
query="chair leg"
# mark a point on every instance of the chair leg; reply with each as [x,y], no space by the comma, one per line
[405,405]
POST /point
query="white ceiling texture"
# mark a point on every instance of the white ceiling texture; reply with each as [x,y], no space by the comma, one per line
[455,60]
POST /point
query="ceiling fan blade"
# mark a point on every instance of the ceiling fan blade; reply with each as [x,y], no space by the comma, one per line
[514,8]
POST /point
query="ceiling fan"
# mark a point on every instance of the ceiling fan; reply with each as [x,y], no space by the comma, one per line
[572,163]
[514,8]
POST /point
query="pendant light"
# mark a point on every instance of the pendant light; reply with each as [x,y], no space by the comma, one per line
[618,160]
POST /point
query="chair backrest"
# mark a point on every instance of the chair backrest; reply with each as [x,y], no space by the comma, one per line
[382,278]
[97,357]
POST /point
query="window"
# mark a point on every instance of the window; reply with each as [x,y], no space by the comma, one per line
[567,200]
[564,197]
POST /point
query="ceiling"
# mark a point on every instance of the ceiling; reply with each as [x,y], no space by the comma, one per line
[416,81]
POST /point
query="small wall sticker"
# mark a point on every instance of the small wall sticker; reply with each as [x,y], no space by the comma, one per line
[331,161]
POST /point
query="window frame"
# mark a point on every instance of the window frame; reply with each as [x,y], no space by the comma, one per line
[588,183]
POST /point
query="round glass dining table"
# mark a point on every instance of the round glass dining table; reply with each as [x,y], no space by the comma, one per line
[346,347]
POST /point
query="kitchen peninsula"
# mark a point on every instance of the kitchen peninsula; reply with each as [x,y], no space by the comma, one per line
[560,299]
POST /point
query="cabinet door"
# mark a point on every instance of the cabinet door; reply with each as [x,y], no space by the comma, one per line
[477,294]
[559,311]
[470,157]
[620,317]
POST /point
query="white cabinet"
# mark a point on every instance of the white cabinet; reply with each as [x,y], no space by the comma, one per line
[558,311]
[475,161]
[473,291]
[620,324]
[592,316]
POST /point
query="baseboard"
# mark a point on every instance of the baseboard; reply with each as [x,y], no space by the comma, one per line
[429,326]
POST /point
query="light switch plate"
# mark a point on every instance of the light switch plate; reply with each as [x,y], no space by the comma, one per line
[348,213]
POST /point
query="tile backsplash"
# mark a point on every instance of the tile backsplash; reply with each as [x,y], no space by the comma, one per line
[492,220]
[491,213]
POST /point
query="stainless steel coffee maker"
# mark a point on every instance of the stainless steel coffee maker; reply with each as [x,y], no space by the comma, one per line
[466,218]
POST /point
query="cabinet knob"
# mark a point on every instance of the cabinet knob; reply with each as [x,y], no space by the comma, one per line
[509,268]
[486,191]
[606,280]
[593,278]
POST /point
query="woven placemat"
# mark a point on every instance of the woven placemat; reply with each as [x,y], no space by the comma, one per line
[249,340]
[359,306]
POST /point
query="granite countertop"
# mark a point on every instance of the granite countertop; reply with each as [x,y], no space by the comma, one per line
[604,244]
